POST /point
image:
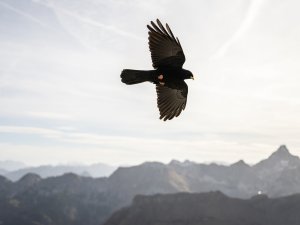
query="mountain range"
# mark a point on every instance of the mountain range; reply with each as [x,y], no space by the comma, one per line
[44,171]
[241,180]
[10,165]
[74,199]
[212,208]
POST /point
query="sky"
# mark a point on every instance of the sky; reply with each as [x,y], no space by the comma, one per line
[62,101]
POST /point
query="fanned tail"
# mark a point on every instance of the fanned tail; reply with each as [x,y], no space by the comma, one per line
[135,76]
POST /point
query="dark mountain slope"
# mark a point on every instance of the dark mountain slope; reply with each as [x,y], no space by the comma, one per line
[212,208]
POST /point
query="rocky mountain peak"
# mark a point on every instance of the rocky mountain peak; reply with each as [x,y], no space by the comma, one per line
[28,180]
[240,164]
[4,180]
[184,163]
[153,164]
[282,153]
[279,160]
[175,163]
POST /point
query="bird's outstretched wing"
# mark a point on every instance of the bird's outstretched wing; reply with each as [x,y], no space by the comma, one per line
[164,47]
[171,99]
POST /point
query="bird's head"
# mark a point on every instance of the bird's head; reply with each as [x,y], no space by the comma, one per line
[188,74]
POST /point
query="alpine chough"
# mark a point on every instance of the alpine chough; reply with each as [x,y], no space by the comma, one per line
[167,60]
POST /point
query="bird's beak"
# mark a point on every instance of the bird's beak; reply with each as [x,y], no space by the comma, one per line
[193,77]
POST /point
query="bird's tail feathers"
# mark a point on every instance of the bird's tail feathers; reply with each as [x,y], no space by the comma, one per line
[135,76]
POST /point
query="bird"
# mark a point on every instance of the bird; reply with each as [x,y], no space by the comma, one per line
[168,75]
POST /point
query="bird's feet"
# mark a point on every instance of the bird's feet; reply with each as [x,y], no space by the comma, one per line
[160,78]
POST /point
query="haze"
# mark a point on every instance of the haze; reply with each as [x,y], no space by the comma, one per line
[61,99]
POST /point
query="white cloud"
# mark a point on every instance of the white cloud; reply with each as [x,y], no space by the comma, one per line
[128,149]
[112,151]
[100,25]
[50,115]
[254,8]
[30,130]
[240,106]
[24,14]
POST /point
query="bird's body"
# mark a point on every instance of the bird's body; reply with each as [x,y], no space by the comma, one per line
[170,75]
[168,58]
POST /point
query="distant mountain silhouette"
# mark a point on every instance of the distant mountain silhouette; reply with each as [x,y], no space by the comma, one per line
[237,180]
[3,171]
[63,200]
[74,199]
[9,165]
[213,208]
[94,170]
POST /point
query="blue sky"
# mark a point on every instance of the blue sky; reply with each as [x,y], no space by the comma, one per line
[62,100]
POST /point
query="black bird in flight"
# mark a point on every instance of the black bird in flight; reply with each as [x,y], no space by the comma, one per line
[167,58]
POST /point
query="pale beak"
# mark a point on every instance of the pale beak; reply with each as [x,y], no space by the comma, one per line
[193,77]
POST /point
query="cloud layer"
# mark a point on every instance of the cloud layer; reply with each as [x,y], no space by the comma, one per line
[62,100]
